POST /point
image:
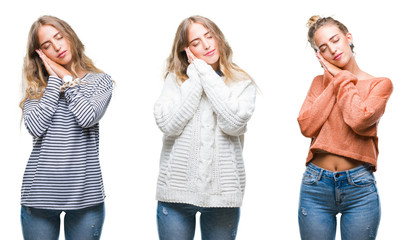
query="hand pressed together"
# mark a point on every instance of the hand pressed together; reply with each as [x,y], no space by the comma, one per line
[53,68]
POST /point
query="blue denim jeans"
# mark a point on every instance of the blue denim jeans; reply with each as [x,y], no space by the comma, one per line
[44,224]
[177,221]
[324,194]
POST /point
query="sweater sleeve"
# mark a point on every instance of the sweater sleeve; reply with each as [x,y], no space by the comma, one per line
[233,105]
[38,113]
[177,104]
[362,114]
[317,106]
[88,101]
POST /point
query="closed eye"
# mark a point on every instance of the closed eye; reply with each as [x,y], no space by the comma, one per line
[195,43]
[46,46]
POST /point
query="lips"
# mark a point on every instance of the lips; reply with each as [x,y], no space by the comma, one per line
[62,54]
[337,57]
[210,53]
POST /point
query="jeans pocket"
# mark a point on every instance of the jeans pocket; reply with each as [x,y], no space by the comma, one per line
[362,180]
[309,178]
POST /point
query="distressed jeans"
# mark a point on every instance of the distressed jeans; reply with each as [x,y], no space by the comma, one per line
[324,194]
[177,221]
[44,224]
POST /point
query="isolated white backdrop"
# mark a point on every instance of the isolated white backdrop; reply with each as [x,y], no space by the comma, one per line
[130,40]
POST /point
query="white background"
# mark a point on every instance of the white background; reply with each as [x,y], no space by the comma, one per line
[130,40]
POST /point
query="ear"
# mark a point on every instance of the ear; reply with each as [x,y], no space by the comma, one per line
[349,37]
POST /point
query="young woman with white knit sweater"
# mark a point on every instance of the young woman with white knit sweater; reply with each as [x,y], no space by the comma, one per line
[203,111]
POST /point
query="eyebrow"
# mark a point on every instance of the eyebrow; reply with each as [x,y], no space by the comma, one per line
[198,38]
[49,40]
[329,40]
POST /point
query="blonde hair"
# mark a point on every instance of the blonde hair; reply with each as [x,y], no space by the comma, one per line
[315,22]
[35,75]
[177,61]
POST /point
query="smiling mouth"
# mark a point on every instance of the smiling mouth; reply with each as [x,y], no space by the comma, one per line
[338,56]
[62,54]
[210,53]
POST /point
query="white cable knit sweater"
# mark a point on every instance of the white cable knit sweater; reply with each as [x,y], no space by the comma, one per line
[203,121]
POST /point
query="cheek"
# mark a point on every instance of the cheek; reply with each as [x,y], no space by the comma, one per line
[196,52]
[325,55]
[48,53]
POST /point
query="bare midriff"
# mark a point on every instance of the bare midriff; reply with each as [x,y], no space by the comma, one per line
[333,162]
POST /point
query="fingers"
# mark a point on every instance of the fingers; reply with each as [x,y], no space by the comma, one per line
[43,56]
[331,68]
[46,62]
[190,56]
[189,59]
[321,60]
[40,53]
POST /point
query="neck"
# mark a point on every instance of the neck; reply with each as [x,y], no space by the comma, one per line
[215,66]
[79,71]
[353,67]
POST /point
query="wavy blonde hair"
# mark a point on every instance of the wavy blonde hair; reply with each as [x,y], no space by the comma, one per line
[178,62]
[35,75]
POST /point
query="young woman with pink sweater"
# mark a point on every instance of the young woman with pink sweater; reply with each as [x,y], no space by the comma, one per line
[340,114]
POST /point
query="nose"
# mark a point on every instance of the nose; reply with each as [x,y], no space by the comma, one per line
[56,45]
[333,49]
[206,44]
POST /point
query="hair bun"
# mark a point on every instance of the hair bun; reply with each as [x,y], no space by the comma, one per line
[312,20]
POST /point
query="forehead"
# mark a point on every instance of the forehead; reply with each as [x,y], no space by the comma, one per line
[46,32]
[196,30]
[323,34]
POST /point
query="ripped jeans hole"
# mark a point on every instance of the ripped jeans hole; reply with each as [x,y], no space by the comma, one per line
[164,211]
[304,212]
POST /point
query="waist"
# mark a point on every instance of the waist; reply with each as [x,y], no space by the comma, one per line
[350,173]
[334,162]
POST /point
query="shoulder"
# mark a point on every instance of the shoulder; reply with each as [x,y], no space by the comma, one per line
[384,83]
[382,80]
[172,79]
[170,76]
[98,79]
[172,82]
[101,76]
[319,80]
[242,87]
[319,77]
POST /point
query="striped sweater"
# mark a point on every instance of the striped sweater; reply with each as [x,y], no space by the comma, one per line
[63,171]
[203,121]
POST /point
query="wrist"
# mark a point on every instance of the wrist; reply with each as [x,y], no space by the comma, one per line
[67,78]
[68,82]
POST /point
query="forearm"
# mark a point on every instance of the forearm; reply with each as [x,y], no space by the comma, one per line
[316,108]
[88,103]
[38,113]
[177,104]
[362,113]
[233,105]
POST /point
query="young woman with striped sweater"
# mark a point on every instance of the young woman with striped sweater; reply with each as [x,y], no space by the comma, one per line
[203,111]
[65,97]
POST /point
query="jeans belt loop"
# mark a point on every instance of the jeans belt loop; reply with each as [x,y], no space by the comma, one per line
[320,174]
[348,175]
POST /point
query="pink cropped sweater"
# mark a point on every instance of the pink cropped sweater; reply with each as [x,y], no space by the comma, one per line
[341,113]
